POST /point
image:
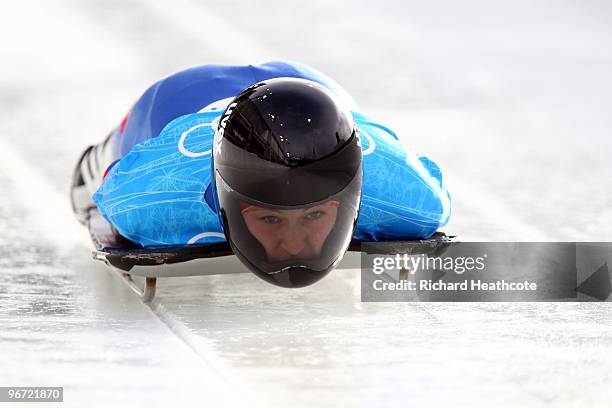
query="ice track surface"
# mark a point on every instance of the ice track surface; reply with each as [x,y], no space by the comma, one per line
[511,100]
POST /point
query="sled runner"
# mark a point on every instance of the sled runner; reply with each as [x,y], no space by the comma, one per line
[133,260]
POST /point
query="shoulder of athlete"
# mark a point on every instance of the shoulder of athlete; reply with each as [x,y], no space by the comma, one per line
[185,142]
[373,134]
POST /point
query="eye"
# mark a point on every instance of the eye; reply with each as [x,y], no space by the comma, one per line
[270,219]
[315,215]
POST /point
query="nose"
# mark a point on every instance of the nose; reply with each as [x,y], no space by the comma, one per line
[293,241]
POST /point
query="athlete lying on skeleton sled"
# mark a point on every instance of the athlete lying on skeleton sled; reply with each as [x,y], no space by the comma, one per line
[270,162]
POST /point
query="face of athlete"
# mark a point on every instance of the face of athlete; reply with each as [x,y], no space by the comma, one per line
[287,234]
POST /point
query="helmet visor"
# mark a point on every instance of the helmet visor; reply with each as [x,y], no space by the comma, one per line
[272,239]
[291,234]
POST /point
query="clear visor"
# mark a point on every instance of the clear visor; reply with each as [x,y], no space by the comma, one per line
[273,238]
[290,235]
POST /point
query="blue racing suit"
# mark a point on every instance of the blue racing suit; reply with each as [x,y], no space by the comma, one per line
[158,191]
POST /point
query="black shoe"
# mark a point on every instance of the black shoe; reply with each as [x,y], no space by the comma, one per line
[80,196]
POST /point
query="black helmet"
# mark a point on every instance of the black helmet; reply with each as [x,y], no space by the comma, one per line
[287,171]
